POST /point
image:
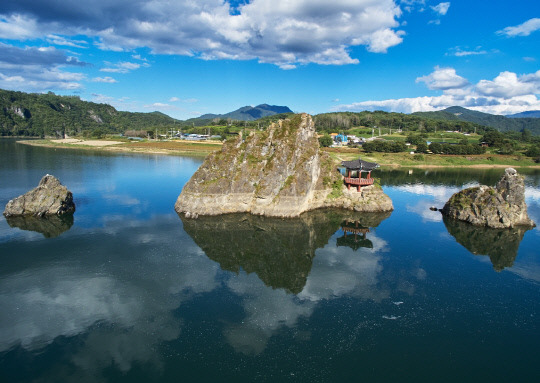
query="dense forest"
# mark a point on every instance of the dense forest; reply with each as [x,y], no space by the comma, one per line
[330,122]
[30,114]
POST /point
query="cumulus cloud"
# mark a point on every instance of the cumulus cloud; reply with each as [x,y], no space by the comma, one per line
[508,93]
[524,29]
[443,79]
[507,85]
[441,8]
[273,31]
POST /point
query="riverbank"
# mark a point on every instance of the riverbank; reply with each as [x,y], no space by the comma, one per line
[386,160]
[177,148]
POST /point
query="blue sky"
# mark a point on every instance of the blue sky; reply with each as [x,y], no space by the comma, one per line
[190,57]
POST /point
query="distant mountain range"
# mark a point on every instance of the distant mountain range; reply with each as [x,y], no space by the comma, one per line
[528,114]
[501,123]
[249,113]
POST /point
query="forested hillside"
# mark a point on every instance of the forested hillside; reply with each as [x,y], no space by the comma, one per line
[501,123]
[328,122]
[30,114]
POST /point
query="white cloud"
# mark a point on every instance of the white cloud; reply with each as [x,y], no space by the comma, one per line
[18,27]
[524,29]
[60,40]
[121,67]
[38,69]
[107,79]
[174,99]
[458,52]
[441,8]
[508,93]
[443,79]
[507,85]
[280,32]
[160,106]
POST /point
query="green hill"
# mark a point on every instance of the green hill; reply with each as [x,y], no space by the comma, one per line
[501,123]
[32,114]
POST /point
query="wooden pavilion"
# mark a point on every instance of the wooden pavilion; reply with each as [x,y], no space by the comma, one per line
[352,171]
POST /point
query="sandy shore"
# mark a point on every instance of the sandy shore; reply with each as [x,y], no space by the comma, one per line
[95,143]
[178,148]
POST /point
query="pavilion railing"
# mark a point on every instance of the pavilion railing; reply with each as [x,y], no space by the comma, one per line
[359,181]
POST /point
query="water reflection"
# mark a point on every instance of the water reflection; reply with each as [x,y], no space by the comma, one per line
[501,245]
[279,251]
[49,226]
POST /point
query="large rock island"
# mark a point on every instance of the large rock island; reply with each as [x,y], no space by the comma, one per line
[499,207]
[279,172]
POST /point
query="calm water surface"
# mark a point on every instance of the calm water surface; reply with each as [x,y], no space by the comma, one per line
[128,291]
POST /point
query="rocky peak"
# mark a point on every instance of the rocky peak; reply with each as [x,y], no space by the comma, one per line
[512,187]
[277,172]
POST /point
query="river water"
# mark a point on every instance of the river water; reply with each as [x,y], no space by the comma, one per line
[128,291]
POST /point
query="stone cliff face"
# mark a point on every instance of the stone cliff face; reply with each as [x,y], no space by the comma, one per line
[50,197]
[279,172]
[500,207]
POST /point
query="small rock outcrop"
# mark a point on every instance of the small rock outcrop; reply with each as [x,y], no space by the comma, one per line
[50,197]
[502,206]
[279,172]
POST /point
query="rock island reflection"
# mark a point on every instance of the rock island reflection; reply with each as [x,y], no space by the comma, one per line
[279,251]
[500,245]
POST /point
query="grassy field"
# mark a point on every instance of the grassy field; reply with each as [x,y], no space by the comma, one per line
[433,160]
[448,137]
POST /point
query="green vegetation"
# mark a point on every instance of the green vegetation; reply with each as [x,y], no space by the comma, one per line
[384,146]
[501,123]
[337,189]
[365,123]
[325,141]
[30,114]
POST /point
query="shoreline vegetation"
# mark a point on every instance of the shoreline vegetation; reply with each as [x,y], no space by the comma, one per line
[202,149]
